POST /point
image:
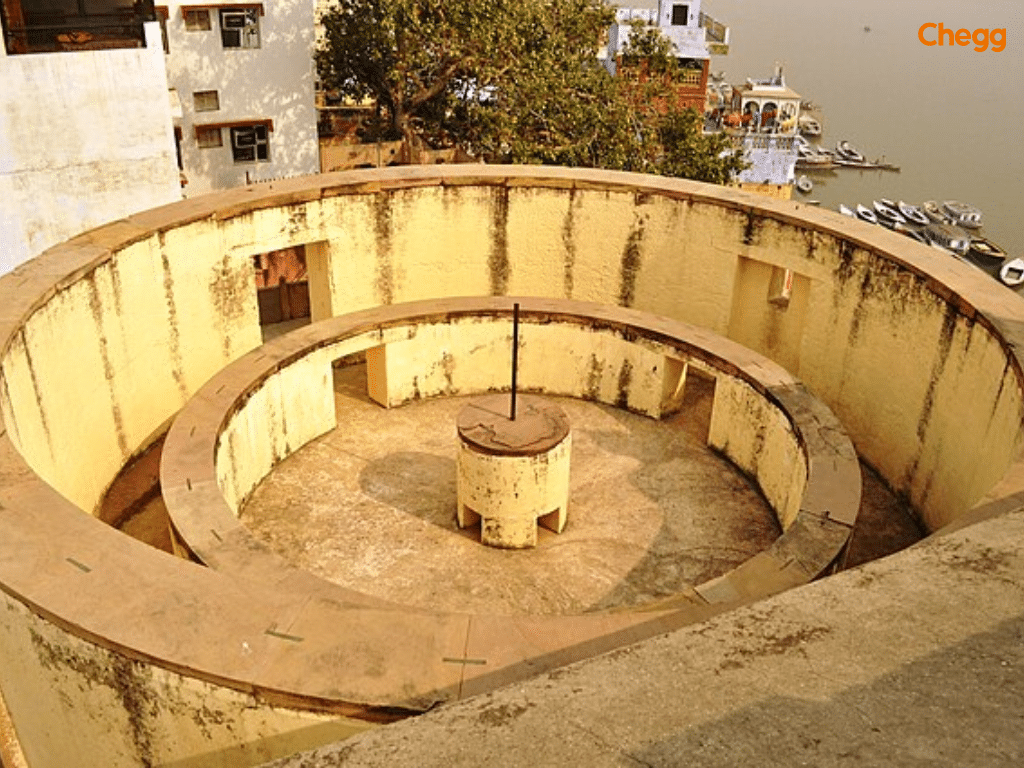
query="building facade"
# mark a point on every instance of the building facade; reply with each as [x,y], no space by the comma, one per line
[85,122]
[694,35]
[243,75]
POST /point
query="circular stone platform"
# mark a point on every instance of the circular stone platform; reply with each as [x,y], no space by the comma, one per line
[513,473]
[539,425]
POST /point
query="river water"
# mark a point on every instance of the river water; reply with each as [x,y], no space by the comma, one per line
[951,117]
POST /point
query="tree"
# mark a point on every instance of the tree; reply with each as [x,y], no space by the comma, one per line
[506,81]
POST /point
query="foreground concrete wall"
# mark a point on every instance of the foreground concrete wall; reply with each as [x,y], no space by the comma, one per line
[78,704]
[113,152]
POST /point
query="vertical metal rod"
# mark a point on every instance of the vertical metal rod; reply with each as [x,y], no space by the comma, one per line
[515,356]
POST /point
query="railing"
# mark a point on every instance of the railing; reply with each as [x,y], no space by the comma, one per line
[690,77]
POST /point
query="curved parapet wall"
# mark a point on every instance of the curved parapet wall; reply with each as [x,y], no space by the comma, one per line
[104,338]
[109,334]
[270,403]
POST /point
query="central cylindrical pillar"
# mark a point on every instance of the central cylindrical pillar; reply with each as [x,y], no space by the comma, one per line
[513,474]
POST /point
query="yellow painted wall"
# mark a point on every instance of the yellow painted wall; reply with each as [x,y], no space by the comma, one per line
[107,360]
[78,704]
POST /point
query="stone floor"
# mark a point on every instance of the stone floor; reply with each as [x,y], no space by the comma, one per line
[371,505]
[652,511]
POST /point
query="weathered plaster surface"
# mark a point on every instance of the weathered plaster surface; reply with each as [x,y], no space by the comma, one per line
[113,154]
[915,354]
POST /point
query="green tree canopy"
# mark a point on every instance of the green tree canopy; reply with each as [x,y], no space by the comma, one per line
[511,82]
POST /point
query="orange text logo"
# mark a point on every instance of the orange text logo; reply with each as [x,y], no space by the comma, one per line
[936,34]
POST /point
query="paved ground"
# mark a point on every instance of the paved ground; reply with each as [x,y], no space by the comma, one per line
[657,461]
[372,504]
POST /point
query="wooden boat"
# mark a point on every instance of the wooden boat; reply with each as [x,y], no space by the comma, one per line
[986,250]
[804,185]
[813,161]
[935,213]
[949,238]
[912,213]
[962,213]
[887,213]
[1012,273]
[866,214]
[808,126]
[912,232]
[847,211]
[847,152]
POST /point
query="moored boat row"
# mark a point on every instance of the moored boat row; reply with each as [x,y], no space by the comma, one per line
[944,226]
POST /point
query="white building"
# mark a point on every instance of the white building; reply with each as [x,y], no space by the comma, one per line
[772,111]
[694,34]
[85,121]
[243,73]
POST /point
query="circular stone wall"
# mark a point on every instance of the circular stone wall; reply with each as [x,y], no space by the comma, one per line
[105,337]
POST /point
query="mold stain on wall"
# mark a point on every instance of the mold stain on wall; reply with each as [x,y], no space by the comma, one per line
[629,265]
[383,227]
[96,309]
[231,289]
[569,243]
[173,332]
[498,264]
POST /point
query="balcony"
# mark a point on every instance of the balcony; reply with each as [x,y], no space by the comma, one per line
[35,26]
[716,34]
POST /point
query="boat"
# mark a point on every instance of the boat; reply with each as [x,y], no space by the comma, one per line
[935,213]
[962,213]
[986,250]
[808,159]
[808,126]
[804,185]
[1012,273]
[847,152]
[846,211]
[887,213]
[912,213]
[866,214]
[948,238]
[912,232]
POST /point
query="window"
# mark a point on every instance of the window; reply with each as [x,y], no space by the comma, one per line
[196,19]
[208,137]
[249,143]
[680,15]
[240,28]
[206,101]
